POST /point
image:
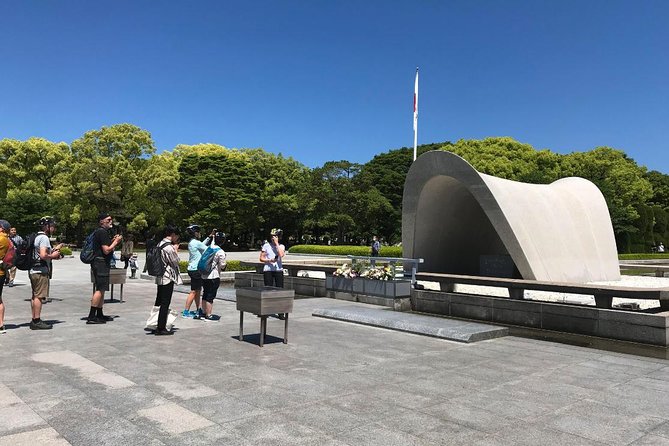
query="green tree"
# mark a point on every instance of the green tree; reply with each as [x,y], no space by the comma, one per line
[219,190]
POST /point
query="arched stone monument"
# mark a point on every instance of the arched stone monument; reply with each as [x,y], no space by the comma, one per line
[465,222]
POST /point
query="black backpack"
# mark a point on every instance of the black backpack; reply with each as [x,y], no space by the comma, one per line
[154,260]
[88,249]
[25,253]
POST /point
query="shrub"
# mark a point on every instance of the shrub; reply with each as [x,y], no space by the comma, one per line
[66,251]
[345,250]
[236,265]
[233,265]
[183,266]
[664,255]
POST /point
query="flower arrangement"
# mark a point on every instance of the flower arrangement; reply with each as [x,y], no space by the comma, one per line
[375,273]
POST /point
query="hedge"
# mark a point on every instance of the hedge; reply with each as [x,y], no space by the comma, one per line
[345,250]
[233,265]
[664,255]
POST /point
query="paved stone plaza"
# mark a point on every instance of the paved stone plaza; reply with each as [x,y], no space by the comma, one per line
[334,383]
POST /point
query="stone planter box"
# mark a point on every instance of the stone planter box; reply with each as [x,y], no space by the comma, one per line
[370,287]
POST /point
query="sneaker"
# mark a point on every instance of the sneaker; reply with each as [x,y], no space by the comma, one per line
[187,314]
[163,332]
[200,313]
[40,325]
[106,318]
[210,318]
[3,330]
[95,321]
[10,284]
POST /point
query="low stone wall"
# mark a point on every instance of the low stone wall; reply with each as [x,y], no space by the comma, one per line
[622,325]
[303,286]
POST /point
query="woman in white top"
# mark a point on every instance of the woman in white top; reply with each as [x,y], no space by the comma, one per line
[212,281]
[271,255]
[169,253]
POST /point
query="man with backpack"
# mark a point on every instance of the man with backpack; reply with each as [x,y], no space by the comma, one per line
[40,271]
[100,267]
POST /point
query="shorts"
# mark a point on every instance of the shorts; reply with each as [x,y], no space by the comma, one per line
[100,271]
[210,289]
[195,280]
[40,285]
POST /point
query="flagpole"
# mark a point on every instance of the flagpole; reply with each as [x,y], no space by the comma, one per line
[415,117]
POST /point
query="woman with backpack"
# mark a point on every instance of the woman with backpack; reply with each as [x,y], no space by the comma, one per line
[211,274]
[170,260]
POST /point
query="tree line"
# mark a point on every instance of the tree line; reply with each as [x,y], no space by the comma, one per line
[246,192]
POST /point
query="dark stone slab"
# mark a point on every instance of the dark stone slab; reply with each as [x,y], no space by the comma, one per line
[454,330]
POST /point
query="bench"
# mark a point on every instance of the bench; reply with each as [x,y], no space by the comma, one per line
[264,302]
[603,294]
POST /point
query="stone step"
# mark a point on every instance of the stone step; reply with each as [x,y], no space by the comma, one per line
[438,327]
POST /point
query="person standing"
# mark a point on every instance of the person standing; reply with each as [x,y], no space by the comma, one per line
[150,243]
[195,250]
[4,247]
[104,251]
[271,254]
[213,280]
[40,272]
[169,246]
[376,246]
[17,240]
[127,248]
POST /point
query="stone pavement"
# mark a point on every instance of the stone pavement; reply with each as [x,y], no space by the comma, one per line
[335,383]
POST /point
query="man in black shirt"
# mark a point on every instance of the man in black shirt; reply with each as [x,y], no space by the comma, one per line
[104,250]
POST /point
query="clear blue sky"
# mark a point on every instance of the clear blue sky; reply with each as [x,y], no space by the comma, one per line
[328,80]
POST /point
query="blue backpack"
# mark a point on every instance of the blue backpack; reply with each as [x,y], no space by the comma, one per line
[204,266]
[88,249]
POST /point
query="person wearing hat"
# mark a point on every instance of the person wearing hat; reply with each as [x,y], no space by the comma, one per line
[40,272]
[271,255]
[104,252]
[4,246]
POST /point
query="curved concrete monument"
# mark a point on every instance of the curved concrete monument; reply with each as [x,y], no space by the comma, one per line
[465,222]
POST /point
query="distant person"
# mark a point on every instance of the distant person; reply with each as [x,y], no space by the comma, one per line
[100,268]
[271,255]
[660,247]
[376,246]
[4,247]
[40,272]
[17,240]
[127,247]
[133,265]
[211,283]
[170,256]
[195,250]
[150,243]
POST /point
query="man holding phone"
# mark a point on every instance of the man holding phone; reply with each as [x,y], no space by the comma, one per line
[104,252]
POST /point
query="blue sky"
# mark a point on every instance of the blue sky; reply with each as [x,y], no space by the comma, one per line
[328,80]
